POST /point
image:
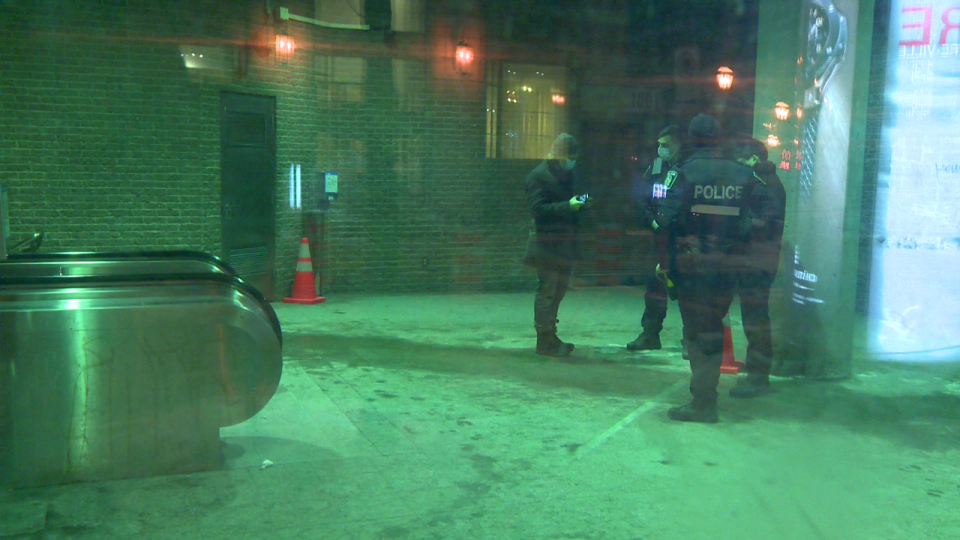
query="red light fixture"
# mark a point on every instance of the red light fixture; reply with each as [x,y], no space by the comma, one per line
[724,78]
[558,99]
[285,47]
[463,57]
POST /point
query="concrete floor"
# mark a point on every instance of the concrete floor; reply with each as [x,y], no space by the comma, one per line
[429,417]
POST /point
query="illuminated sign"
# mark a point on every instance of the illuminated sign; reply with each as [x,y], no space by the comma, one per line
[914,287]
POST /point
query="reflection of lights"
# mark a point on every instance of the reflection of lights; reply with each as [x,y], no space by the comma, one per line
[285,47]
[799,112]
[724,78]
[526,88]
[559,99]
[781,110]
[773,140]
[796,141]
[205,57]
[785,165]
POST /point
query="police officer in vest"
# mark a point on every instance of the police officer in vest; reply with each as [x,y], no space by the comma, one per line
[706,214]
[754,280]
[647,192]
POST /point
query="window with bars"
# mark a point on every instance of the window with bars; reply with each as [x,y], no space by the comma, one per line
[404,15]
[339,79]
[526,109]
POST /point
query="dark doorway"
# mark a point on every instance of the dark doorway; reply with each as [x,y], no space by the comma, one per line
[248,162]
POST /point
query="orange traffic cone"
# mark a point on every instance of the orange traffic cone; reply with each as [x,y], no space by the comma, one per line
[304,288]
[730,363]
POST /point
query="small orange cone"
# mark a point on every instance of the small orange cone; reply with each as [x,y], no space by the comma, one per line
[304,288]
[730,364]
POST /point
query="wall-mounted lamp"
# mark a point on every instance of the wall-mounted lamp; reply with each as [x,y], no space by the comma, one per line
[463,57]
[558,99]
[285,46]
[781,110]
[724,78]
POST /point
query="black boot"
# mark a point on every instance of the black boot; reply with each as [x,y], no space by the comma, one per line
[751,386]
[567,348]
[694,412]
[645,342]
[548,344]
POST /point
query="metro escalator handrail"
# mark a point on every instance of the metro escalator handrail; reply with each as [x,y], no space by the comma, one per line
[124,255]
[80,281]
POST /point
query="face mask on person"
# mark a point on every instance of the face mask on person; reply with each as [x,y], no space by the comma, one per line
[568,164]
[750,162]
[665,152]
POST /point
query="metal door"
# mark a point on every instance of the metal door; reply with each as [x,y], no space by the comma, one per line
[248,157]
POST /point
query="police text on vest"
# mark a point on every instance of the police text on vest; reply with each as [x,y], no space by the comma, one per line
[718,192]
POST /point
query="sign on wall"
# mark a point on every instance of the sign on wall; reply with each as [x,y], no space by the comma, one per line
[915,283]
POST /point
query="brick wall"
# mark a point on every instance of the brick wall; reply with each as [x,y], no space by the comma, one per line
[107,142]
[106,145]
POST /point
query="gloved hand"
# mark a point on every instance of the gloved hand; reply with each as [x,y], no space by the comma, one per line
[664,275]
[575,204]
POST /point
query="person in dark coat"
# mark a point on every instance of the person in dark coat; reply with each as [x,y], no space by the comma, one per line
[704,213]
[555,199]
[762,261]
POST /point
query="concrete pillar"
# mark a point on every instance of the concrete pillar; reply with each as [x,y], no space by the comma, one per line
[813,302]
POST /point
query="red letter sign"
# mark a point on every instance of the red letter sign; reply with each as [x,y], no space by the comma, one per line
[927,16]
[947,25]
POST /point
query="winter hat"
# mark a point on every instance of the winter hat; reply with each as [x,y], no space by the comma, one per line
[704,129]
[565,147]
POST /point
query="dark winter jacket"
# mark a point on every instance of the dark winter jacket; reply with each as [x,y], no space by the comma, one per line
[706,211]
[769,208]
[553,242]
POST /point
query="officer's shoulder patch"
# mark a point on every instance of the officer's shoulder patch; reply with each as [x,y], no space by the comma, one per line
[670,179]
[762,181]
